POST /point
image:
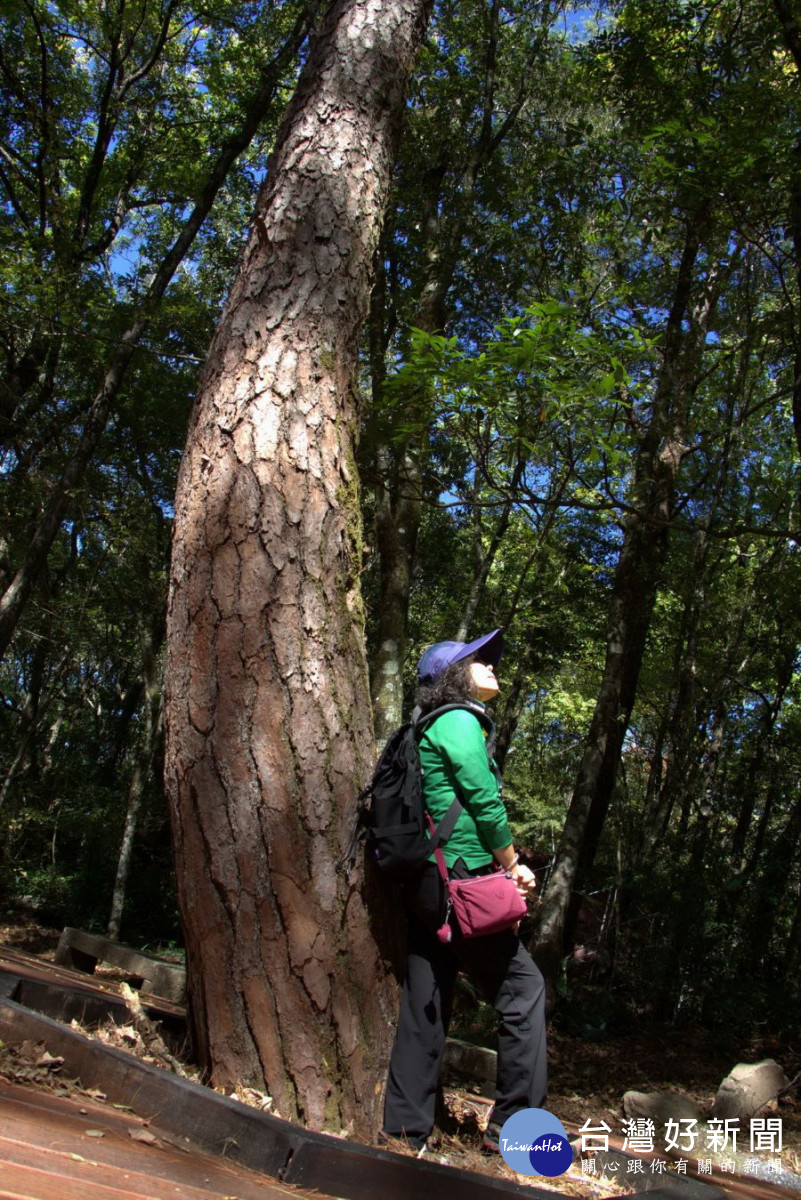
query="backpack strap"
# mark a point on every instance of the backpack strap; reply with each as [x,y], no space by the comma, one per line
[420,720]
[439,834]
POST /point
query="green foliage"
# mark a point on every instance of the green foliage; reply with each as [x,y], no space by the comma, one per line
[680,117]
[545,191]
[543,379]
[111,120]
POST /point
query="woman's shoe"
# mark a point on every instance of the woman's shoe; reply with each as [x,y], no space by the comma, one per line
[394,1141]
[491,1141]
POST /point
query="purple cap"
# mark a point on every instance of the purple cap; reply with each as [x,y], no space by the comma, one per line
[439,657]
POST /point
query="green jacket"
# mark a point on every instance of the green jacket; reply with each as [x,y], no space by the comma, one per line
[453,756]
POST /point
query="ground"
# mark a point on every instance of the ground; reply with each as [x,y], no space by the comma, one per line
[588,1078]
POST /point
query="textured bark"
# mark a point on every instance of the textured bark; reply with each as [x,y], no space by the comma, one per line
[397,524]
[268,711]
[398,501]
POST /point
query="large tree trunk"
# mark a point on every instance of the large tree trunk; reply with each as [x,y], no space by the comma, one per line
[268,711]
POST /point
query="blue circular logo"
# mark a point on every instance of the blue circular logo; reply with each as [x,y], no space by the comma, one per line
[534,1142]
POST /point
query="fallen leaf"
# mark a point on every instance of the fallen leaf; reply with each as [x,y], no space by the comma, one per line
[50,1060]
[143,1135]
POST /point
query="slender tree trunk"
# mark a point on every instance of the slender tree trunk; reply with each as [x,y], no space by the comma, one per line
[397,524]
[268,711]
[142,768]
[760,792]
[684,733]
[29,721]
[398,506]
[400,487]
[794,224]
[792,947]
[484,559]
[790,25]
[761,946]
[633,596]
[674,764]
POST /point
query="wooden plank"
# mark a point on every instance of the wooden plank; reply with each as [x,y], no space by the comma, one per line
[39,1129]
[90,1007]
[8,985]
[27,967]
[55,1172]
[222,1126]
[358,1173]
[83,950]
[68,1003]
[215,1123]
[33,1183]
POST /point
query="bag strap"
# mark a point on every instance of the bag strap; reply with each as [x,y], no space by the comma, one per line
[438,855]
[440,833]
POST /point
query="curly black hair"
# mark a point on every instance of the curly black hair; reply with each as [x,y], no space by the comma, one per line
[454,685]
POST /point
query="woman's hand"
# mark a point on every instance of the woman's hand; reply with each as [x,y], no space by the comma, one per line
[523,876]
[525,880]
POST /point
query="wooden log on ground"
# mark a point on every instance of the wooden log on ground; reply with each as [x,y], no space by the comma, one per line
[83,951]
[90,1007]
[466,1061]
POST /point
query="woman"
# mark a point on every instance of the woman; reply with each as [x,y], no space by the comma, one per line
[455,761]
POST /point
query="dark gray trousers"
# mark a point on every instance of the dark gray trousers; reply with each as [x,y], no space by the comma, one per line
[503,970]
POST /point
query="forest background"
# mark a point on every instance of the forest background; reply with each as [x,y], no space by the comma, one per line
[580,397]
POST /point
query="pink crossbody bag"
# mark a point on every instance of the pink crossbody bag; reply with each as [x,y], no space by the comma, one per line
[483,904]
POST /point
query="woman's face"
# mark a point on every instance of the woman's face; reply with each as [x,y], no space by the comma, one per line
[485,684]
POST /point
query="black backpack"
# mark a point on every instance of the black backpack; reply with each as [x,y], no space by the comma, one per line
[391,812]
